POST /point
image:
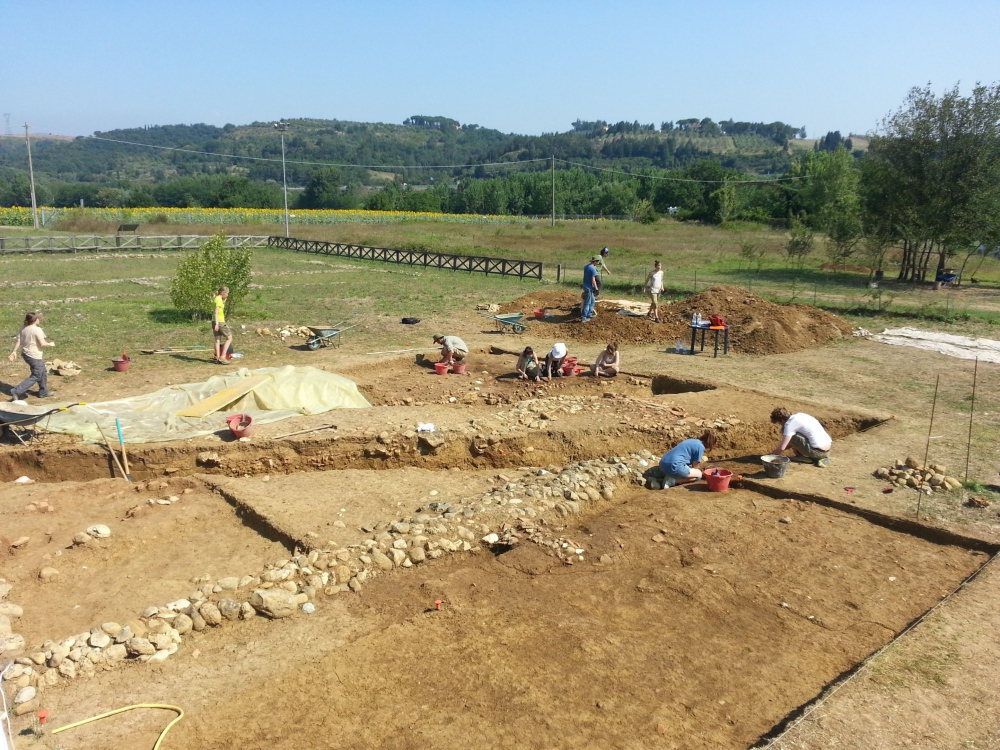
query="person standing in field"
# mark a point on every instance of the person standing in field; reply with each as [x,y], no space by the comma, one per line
[223,333]
[590,289]
[603,269]
[804,435]
[654,286]
[30,340]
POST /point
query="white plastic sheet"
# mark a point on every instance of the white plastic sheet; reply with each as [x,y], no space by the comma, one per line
[962,347]
[151,418]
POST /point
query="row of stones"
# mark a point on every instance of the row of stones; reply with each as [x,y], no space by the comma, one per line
[502,515]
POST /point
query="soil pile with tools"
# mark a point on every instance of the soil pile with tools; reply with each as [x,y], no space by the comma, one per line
[757,326]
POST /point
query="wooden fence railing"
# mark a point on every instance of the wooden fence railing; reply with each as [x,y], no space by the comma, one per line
[523,269]
[67,244]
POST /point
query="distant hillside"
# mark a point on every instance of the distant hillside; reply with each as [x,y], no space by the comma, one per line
[420,141]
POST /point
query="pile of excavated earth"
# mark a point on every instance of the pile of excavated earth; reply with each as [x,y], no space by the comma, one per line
[757,326]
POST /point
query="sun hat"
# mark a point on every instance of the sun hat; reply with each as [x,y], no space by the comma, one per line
[437,336]
[558,351]
[596,259]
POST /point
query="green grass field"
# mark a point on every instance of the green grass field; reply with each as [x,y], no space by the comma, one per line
[92,299]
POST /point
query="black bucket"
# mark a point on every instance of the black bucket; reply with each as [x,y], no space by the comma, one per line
[775,467]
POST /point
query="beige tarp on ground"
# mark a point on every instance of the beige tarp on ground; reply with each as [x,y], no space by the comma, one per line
[151,418]
[963,347]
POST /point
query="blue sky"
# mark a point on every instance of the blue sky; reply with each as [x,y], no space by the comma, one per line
[75,66]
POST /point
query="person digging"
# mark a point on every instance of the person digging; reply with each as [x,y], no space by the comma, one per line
[804,435]
[681,464]
[453,349]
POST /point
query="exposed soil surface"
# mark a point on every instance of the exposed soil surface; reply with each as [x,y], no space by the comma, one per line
[151,555]
[757,326]
[681,641]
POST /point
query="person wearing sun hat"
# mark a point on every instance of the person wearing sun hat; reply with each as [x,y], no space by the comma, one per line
[453,349]
[591,287]
[553,362]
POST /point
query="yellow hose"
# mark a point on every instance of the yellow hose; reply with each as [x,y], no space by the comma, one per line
[180,715]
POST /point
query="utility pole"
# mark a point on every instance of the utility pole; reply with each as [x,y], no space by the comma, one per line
[31,179]
[281,127]
[553,190]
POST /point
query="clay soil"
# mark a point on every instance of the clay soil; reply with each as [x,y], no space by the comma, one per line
[676,643]
[757,326]
[684,642]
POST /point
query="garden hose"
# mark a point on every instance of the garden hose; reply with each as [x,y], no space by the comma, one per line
[167,728]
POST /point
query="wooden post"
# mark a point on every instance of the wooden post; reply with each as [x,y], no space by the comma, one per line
[972,411]
[559,273]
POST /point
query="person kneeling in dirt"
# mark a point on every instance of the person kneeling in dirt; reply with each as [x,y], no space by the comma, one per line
[453,349]
[527,366]
[553,362]
[608,362]
[680,464]
[804,435]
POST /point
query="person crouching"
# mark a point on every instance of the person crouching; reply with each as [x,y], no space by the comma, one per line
[804,435]
[453,349]
[680,465]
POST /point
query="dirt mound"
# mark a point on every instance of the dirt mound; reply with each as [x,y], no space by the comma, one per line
[757,326]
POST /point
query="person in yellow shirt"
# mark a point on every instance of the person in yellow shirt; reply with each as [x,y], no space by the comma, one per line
[223,333]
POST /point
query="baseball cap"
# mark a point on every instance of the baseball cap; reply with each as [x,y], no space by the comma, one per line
[605,251]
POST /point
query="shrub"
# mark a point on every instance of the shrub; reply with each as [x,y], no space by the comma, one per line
[644,213]
[201,273]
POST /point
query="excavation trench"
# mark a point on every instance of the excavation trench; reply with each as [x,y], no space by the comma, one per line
[443,450]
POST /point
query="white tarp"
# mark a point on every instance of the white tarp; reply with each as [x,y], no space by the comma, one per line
[986,350]
[151,418]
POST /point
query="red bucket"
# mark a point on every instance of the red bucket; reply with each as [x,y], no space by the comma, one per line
[718,479]
[459,368]
[121,364]
[539,313]
[241,425]
[441,368]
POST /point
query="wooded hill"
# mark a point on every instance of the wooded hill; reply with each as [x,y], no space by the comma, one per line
[421,141]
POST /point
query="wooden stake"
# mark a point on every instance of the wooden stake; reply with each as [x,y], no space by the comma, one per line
[972,411]
[113,455]
[927,449]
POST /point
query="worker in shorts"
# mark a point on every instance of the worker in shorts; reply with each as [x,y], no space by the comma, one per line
[804,435]
[453,349]
[223,333]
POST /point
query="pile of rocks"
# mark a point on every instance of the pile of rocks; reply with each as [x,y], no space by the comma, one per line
[928,479]
[286,332]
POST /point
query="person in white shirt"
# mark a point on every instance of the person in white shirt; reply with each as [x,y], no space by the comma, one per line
[30,341]
[654,286]
[804,435]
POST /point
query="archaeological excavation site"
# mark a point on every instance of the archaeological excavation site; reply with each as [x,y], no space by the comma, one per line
[469,561]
